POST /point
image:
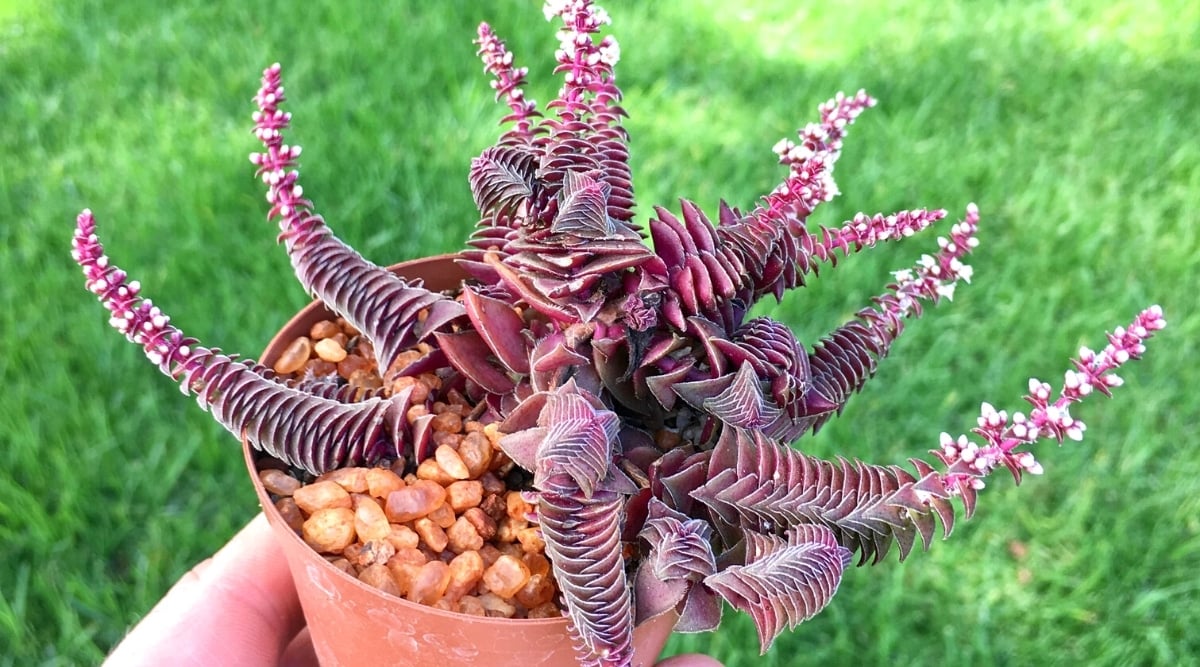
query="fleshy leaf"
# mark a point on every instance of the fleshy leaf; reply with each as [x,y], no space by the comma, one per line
[680,553]
[742,403]
[578,441]
[701,611]
[469,353]
[785,581]
[583,213]
[502,177]
[583,542]
[766,485]
[501,328]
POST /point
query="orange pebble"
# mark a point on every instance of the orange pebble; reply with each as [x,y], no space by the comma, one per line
[547,610]
[329,530]
[432,535]
[278,482]
[381,482]
[466,569]
[497,606]
[353,480]
[531,540]
[516,505]
[294,357]
[430,470]
[430,583]
[329,349]
[324,329]
[400,536]
[414,501]
[369,520]
[464,495]
[536,562]
[291,513]
[470,605]
[483,524]
[506,576]
[442,515]
[380,577]
[476,454]
[462,536]
[448,460]
[538,590]
[321,495]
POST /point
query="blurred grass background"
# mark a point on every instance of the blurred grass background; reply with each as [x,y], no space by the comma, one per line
[1071,124]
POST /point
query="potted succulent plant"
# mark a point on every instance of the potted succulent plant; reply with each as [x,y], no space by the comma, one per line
[608,407]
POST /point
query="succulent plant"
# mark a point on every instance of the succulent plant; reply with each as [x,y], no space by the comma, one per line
[655,415]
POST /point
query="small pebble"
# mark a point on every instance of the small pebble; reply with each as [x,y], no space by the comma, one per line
[462,537]
[403,537]
[506,576]
[381,482]
[320,367]
[278,482]
[449,461]
[432,471]
[294,357]
[531,540]
[442,515]
[321,495]
[353,480]
[328,349]
[380,577]
[430,583]
[538,590]
[414,501]
[291,514]
[465,494]
[370,523]
[470,605]
[481,522]
[466,569]
[329,530]
[497,606]
[432,535]
[476,452]
[324,329]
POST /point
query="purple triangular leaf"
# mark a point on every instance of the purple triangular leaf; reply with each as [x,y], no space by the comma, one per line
[701,611]
[501,178]
[784,581]
[501,328]
[742,403]
[583,212]
[471,356]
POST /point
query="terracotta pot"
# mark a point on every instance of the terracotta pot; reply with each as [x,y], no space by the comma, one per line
[354,624]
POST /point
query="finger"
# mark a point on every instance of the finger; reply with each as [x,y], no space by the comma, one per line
[238,608]
[299,652]
[689,660]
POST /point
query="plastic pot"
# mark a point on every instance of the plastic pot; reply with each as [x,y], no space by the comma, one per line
[352,623]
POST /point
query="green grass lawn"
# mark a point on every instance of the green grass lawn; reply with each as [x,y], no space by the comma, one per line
[1071,124]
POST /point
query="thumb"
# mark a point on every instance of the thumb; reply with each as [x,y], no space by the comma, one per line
[238,608]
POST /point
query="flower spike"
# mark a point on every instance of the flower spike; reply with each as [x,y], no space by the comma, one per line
[244,397]
[508,82]
[374,300]
[968,463]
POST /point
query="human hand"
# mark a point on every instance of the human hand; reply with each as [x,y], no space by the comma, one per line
[240,609]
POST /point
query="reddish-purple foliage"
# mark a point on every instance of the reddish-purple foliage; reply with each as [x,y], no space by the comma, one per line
[651,412]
